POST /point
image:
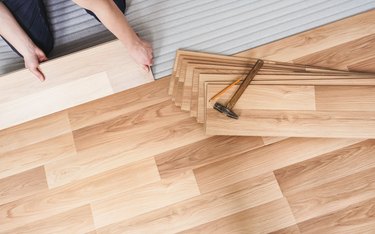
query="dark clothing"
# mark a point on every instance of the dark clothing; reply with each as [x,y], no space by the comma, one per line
[31,16]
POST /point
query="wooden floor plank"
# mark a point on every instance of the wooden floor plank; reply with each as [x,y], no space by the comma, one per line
[267,158]
[130,145]
[142,200]
[345,98]
[288,230]
[54,201]
[78,220]
[33,132]
[204,208]
[339,57]
[315,40]
[357,218]
[332,196]
[35,155]
[203,153]
[327,168]
[118,104]
[364,66]
[265,218]
[22,185]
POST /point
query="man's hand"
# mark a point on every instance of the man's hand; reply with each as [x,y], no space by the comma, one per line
[141,52]
[32,60]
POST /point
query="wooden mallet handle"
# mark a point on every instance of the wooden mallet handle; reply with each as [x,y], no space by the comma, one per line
[258,65]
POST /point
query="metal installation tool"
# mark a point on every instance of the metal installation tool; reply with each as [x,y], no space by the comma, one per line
[227,109]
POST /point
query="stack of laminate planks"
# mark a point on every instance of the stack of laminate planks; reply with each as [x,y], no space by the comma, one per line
[284,99]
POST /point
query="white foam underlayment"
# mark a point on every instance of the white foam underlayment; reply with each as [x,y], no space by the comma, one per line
[219,26]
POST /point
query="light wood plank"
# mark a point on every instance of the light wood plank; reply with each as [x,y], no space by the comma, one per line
[267,158]
[345,98]
[33,132]
[326,168]
[81,64]
[357,218]
[198,210]
[54,201]
[317,39]
[32,156]
[141,200]
[124,140]
[54,99]
[288,230]
[78,220]
[265,218]
[333,196]
[340,56]
[119,104]
[22,185]
[354,124]
[203,153]
[364,66]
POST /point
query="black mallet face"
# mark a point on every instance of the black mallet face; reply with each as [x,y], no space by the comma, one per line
[223,109]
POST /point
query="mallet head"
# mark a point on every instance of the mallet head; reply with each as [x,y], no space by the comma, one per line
[223,109]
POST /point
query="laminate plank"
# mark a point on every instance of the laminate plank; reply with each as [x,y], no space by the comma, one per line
[267,158]
[84,63]
[55,201]
[315,40]
[364,66]
[54,99]
[288,230]
[78,220]
[357,218]
[201,209]
[268,97]
[34,131]
[22,185]
[35,155]
[265,218]
[118,104]
[197,103]
[333,196]
[122,147]
[141,200]
[340,56]
[203,153]
[326,168]
[353,124]
[345,98]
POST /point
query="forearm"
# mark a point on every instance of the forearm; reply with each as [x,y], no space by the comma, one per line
[112,18]
[13,32]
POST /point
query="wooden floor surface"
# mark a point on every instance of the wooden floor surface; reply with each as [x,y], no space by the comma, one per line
[133,162]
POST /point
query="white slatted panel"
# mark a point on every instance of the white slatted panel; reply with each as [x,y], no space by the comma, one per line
[220,26]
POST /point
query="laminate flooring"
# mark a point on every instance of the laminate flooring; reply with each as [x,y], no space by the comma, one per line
[71,80]
[133,162]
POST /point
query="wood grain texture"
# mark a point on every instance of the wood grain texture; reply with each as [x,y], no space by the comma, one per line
[22,185]
[36,131]
[204,208]
[327,167]
[332,196]
[35,155]
[203,153]
[261,219]
[127,205]
[77,220]
[134,163]
[356,218]
[88,77]
[267,158]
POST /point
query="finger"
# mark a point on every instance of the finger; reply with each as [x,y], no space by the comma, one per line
[146,68]
[38,73]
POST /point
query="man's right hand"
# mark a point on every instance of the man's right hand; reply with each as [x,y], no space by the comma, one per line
[32,60]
